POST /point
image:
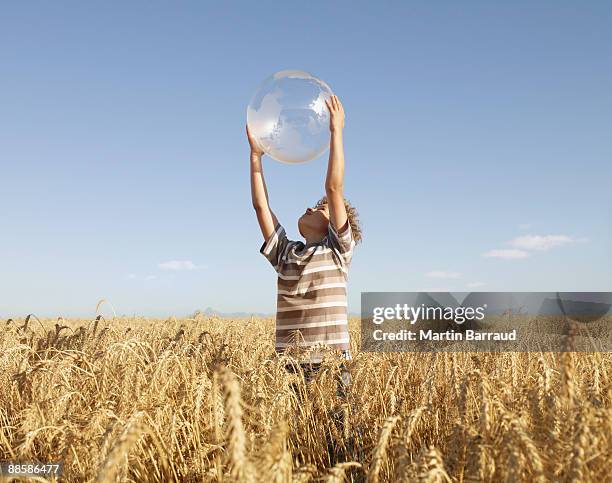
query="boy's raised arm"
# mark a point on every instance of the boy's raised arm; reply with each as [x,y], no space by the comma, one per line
[259,193]
[334,183]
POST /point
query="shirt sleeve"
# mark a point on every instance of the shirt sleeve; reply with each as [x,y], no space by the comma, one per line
[342,240]
[274,247]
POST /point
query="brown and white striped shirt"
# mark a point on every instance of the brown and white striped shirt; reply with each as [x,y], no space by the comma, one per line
[311,307]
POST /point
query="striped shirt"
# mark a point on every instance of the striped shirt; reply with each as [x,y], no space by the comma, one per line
[311,308]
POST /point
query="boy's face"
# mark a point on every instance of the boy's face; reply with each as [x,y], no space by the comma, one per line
[314,221]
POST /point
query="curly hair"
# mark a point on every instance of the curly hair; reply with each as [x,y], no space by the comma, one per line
[352,215]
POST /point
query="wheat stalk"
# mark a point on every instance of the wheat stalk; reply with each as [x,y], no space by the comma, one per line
[380,451]
[240,466]
[432,467]
[338,472]
[114,462]
[578,470]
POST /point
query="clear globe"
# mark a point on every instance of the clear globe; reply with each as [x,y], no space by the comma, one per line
[288,117]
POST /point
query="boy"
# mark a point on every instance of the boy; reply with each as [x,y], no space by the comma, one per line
[312,276]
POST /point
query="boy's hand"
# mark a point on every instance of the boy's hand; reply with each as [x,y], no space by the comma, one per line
[336,114]
[255,148]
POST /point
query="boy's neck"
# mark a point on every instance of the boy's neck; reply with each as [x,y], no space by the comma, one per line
[312,239]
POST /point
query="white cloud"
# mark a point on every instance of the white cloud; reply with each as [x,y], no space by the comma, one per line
[475,284]
[540,242]
[180,265]
[131,276]
[506,253]
[524,246]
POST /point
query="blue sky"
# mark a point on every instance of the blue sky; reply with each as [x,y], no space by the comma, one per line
[477,142]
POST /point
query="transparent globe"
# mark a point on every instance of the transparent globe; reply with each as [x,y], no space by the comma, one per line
[288,117]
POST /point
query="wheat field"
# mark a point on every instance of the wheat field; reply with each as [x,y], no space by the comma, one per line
[207,399]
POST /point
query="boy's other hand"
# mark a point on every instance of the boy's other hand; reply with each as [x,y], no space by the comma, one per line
[336,114]
[255,148]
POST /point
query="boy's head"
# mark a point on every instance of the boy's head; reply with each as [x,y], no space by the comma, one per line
[313,223]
